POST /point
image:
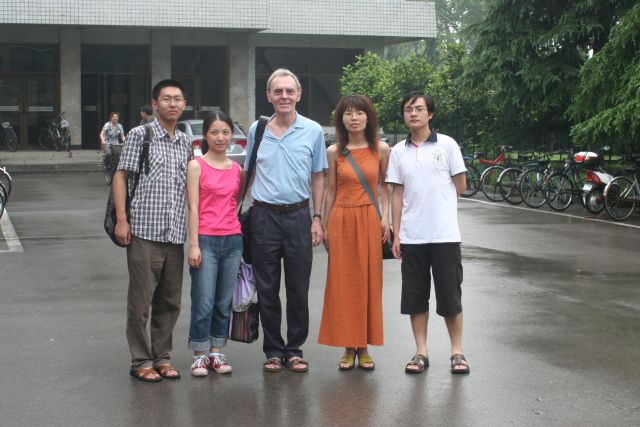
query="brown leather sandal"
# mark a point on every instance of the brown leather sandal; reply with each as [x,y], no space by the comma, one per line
[164,370]
[459,360]
[297,364]
[419,361]
[145,375]
[276,361]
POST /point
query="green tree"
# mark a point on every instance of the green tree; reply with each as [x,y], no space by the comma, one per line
[386,82]
[529,55]
[607,107]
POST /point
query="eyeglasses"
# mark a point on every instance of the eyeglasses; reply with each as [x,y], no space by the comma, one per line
[288,91]
[418,110]
[358,114]
[169,100]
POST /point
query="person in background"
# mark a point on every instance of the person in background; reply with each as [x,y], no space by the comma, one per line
[215,245]
[112,133]
[146,114]
[352,312]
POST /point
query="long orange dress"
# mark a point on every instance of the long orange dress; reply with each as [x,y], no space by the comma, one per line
[352,312]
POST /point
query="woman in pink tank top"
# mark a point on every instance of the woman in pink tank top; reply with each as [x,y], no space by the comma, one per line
[215,245]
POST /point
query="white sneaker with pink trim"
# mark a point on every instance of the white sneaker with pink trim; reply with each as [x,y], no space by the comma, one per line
[218,363]
[199,366]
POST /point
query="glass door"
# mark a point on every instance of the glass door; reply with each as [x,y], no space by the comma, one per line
[106,93]
[41,105]
[27,102]
[10,102]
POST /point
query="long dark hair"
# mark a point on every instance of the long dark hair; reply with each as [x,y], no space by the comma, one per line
[358,103]
[207,121]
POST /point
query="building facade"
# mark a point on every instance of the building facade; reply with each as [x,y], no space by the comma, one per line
[87,58]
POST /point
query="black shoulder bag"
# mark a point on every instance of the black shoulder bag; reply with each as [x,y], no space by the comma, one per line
[245,217]
[110,218]
[386,247]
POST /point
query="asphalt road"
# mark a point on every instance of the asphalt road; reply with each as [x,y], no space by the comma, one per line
[552,330]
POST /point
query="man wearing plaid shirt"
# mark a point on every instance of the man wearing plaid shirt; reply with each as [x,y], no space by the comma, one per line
[155,233]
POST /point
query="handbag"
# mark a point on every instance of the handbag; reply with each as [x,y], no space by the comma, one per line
[110,218]
[245,292]
[386,247]
[243,325]
[245,217]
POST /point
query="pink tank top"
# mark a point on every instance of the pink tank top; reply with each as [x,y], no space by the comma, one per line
[217,207]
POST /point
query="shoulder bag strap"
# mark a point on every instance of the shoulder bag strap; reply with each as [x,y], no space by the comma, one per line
[144,157]
[347,154]
[260,128]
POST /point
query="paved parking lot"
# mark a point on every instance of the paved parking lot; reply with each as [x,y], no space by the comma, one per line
[552,330]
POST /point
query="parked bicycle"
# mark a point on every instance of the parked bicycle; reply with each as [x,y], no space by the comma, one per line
[532,183]
[65,132]
[508,182]
[489,177]
[110,162]
[473,175]
[561,187]
[56,135]
[9,136]
[5,189]
[622,194]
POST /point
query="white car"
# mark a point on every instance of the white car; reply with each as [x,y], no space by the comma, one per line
[237,150]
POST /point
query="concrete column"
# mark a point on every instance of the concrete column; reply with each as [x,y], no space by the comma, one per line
[70,82]
[242,65]
[160,56]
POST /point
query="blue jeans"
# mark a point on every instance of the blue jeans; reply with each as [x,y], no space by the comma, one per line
[212,286]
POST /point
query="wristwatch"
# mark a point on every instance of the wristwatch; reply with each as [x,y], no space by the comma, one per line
[315,215]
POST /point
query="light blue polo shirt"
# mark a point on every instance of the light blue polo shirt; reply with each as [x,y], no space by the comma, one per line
[285,165]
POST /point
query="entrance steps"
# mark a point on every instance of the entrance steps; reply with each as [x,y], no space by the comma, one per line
[76,160]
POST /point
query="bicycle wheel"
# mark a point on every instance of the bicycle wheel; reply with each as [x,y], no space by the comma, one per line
[558,191]
[488,183]
[3,200]
[594,201]
[509,185]
[42,140]
[56,138]
[108,169]
[620,198]
[66,139]
[473,180]
[531,188]
[5,180]
[11,139]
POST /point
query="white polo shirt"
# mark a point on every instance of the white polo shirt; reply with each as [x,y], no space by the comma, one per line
[430,202]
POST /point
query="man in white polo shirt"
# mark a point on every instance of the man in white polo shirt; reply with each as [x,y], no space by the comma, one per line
[428,174]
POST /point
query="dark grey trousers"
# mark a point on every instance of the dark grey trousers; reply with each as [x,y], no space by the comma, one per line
[155,285]
[282,238]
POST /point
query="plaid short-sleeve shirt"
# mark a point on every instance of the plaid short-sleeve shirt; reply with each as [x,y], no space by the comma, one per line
[158,209]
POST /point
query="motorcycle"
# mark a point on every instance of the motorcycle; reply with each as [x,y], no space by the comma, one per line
[597,179]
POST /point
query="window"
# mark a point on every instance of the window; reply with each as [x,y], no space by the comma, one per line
[319,72]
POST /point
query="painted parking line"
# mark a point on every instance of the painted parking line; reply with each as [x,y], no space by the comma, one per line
[9,234]
[502,205]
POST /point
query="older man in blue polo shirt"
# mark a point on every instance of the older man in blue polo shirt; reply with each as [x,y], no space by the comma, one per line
[290,168]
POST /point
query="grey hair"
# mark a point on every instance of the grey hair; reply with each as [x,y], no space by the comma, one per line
[282,72]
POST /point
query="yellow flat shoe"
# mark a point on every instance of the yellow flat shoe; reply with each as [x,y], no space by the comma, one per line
[347,362]
[366,362]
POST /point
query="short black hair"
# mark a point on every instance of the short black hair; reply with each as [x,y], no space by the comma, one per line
[146,109]
[411,97]
[166,83]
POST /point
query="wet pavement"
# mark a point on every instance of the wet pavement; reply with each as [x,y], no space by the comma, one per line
[552,331]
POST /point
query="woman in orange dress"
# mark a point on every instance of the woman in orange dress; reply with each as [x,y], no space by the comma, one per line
[354,233]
